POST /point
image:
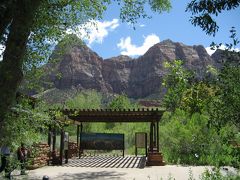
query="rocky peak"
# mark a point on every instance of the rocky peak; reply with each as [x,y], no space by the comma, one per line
[220,56]
[82,68]
[120,58]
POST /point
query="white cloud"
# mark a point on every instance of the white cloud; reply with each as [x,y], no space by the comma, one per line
[2,48]
[132,50]
[142,25]
[223,47]
[95,31]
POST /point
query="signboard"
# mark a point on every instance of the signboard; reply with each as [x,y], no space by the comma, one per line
[140,140]
[102,141]
[66,140]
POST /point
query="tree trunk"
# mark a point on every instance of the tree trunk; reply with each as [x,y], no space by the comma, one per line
[11,66]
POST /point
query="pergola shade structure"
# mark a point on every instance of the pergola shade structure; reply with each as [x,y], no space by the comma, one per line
[153,116]
[108,115]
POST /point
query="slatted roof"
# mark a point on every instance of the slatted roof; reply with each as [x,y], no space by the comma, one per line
[116,115]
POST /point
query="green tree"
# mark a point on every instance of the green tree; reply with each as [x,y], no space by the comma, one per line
[27,26]
[176,82]
[89,99]
[225,105]
[197,97]
[120,102]
[183,140]
[25,123]
[225,108]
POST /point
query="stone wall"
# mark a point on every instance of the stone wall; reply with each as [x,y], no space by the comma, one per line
[72,150]
[39,155]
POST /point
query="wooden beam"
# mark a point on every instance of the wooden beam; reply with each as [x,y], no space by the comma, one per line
[112,118]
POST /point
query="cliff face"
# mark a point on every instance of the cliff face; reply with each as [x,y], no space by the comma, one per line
[82,68]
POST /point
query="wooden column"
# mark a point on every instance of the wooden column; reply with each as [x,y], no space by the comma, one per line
[49,136]
[146,151]
[61,146]
[154,135]
[54,139]
[151,137]
[80,149]
[157,136]
[78,131]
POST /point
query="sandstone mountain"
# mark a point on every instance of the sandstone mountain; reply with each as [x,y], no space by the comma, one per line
[79,67]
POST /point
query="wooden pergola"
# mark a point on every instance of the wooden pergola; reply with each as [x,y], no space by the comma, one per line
[153,116]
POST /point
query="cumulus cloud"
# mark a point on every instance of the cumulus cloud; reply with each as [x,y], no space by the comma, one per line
[223,47]
[132,50]
[95,31]
[2,48]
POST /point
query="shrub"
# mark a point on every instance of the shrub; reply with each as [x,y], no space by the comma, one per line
[188,139]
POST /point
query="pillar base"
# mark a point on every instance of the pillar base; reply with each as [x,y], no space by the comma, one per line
[155,159]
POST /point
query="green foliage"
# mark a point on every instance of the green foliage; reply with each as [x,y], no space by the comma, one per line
[225,107]
[24,124]
[176,82]
[204,10]
[197,97]
[183,140]
[89,99]
[120,102]
[131,10]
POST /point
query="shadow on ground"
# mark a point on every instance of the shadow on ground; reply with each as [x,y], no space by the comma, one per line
[108,162]
[98,175]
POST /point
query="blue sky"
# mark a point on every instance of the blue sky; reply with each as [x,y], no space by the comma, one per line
[114,37]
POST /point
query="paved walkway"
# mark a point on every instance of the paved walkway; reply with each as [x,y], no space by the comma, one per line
[90,173]
[115,168]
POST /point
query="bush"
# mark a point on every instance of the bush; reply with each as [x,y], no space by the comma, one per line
[188,139]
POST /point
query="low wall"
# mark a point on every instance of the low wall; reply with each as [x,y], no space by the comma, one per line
[39,156]
[72,150]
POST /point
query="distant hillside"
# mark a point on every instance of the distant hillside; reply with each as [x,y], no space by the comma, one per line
[75,66]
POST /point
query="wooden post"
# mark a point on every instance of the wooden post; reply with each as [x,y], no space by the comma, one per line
[54,139]
[61,146]
[154,134]
[146,144]
[135,144]
[80,148]
[157,136]
[78,129]
[151,137]
[123,144]
[49,136]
